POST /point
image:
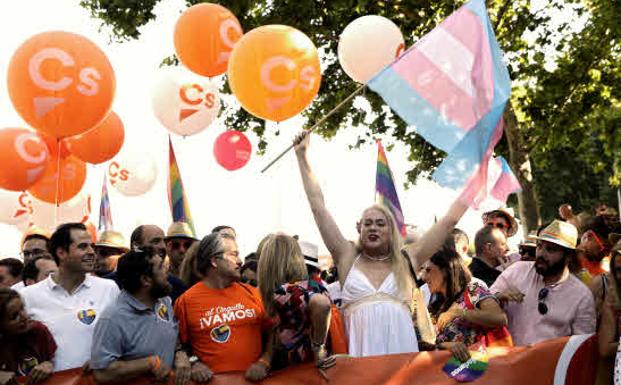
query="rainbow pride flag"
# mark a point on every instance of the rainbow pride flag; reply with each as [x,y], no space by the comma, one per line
[105,212]
[385,192]
[179,207]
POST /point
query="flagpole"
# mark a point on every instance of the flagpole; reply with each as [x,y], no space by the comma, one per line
[320,122]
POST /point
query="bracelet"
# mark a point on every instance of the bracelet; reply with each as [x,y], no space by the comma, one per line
[154,362]
[463,314]
[265,363]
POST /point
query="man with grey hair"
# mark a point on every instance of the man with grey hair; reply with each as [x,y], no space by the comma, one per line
[221,320]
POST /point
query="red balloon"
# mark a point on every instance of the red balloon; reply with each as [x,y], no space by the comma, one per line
[101,143]
[232,150]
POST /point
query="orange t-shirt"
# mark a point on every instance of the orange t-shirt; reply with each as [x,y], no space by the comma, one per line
[223,326]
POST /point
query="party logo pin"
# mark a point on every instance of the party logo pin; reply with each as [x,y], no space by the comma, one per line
[162,312]
[87,316]
[26,365]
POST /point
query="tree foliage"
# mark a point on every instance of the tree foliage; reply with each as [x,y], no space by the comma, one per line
[565,79]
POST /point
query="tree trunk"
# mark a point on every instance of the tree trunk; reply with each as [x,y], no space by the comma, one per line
[520,164]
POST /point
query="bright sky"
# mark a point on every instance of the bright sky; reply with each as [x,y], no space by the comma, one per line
[254,203]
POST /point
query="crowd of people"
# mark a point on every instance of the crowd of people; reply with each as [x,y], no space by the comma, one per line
[169,303]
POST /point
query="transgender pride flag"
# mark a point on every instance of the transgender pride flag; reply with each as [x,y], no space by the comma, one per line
[452,86]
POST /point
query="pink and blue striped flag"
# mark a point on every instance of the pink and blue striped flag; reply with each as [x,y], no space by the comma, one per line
[385,192]
[105,212]
[453,86]
[177,199]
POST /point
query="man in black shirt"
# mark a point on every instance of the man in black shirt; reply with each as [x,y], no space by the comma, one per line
[491,247]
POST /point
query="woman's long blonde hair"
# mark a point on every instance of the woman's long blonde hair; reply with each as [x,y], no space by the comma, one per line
[281,261]
[400,266]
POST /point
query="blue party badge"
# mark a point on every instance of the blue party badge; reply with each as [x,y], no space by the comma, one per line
[162,312]
[87,316]
[26,365]
[470,370]
[221,334]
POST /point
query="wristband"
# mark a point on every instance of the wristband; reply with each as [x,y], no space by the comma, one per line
[154,362]
[463,314]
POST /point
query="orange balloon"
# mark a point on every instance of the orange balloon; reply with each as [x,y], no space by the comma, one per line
[274,72]
[101,143]
[23,158]
[55,144]
[204,38]
[72,178]
[61,83]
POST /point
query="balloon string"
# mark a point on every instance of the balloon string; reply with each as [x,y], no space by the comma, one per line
[56,197]
[320,122]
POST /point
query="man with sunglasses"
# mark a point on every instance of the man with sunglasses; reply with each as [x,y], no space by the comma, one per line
[542,299]
[179,238]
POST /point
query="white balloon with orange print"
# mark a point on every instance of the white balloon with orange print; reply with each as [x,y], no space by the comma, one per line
[367,45]
[15,207]
[132,173]
[48,215]
[185,103]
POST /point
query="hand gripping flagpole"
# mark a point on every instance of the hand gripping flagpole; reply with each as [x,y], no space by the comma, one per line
[320,122]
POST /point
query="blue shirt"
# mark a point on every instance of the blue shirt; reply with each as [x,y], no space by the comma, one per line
[130,330]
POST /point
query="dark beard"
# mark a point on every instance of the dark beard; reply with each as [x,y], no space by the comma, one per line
[159,291]
[550,270]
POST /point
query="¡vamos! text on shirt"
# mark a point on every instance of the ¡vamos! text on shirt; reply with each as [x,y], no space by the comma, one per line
[220,315]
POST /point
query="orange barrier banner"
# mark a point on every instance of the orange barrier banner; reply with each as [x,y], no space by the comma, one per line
[562,361]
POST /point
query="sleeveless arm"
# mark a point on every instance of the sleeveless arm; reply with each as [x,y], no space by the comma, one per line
[433,239]
[338,246]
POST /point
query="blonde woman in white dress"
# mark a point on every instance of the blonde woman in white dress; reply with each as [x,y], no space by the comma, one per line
[375,278]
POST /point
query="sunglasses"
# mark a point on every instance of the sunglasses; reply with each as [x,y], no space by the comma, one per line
[498,225]
[542,308]
[177,244]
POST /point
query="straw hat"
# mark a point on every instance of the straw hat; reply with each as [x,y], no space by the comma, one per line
[513,226]
[112,239]
[561,233]
[180,230]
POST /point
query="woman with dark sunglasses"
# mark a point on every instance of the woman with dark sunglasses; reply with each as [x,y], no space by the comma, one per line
[27,346]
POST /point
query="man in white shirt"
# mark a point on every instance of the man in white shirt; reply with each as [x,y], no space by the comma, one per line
[69,302]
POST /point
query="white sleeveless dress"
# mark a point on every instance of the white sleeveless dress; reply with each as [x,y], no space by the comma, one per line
[377,321]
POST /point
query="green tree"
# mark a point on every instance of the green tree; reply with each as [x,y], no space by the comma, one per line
[563,109]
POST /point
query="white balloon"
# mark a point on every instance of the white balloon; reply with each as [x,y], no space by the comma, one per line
[184,102]
[48,216]
[15,207]
[367,45]
[132,173]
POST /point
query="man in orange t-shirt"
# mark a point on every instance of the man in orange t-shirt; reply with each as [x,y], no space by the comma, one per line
[221,321]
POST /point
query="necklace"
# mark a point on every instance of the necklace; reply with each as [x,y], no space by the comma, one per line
[381,259]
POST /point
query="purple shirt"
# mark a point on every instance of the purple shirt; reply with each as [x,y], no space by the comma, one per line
[571,309]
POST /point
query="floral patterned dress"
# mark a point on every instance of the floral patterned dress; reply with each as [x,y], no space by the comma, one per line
[459,330]
[294,323]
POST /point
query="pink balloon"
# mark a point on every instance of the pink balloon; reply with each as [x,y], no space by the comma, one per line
[232,150]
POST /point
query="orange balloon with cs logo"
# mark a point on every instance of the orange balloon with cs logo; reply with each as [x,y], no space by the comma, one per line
[204,38]
[61,83]
[274,72]
[59,186]
[24,158]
